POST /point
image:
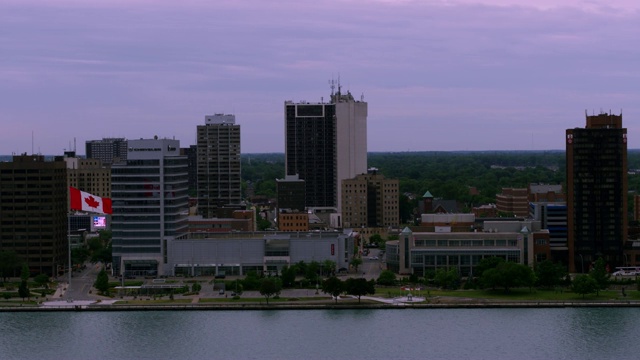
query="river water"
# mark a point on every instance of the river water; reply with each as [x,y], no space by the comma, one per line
[580,333]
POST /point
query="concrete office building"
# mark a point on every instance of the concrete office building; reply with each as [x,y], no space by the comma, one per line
[290,204]
[553,217]
[239,253]
[150,205]
[326,143]
[597,191]
[370,201]
[107,150]
[417,253]
[218,161]
[33,210]
[513,201]
[89,175]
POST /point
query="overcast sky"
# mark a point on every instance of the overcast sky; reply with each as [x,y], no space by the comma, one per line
[437,75]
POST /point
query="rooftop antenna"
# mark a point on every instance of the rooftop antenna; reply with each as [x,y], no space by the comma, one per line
[332,85]
[31,142]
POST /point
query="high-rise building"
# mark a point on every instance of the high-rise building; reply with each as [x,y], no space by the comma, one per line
[290,193]
[596,191]
[89,175]
[150,205]
[33,195]
[108,150]
[192,159]
[370,200]
[218,159]
[326,143]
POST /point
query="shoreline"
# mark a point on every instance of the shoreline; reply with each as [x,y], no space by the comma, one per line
[324,306]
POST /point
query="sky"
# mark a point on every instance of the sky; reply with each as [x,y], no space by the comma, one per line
[437,75]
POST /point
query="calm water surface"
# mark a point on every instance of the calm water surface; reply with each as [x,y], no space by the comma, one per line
[325,334]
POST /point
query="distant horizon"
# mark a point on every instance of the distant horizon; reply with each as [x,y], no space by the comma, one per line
[371,152]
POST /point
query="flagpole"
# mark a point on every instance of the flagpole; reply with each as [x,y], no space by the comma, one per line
[69,244]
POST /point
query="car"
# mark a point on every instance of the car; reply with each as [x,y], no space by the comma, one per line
[221,292]
[234,294]
[343,270]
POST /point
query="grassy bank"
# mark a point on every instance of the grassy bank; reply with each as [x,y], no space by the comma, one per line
[519,294]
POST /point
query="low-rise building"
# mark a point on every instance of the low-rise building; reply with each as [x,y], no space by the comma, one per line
[238,253]
[422,252]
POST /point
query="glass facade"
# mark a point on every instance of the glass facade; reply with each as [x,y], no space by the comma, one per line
[150,202]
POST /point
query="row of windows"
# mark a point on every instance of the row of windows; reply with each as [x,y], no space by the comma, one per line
[455,243]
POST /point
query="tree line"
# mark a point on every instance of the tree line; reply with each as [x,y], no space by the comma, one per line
[447,175]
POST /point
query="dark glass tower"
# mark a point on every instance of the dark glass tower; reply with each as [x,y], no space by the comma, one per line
[325,144]
[310,150]
[596,192]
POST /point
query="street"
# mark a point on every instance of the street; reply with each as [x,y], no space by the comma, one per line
[81,283]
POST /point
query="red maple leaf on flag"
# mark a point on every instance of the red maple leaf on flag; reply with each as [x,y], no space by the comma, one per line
[91,202]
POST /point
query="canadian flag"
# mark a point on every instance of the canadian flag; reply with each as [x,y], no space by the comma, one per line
[81,200]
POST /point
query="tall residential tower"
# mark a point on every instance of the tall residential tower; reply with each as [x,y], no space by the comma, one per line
[326,143]
[218,161]
[596,192]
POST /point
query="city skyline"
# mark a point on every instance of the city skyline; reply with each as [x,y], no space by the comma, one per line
[442,75]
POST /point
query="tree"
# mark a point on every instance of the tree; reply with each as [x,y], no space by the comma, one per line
[329,267]
[102,282]
[333,286]
[360,286]
[270,287]
[508,275]
[387,278]
[262,223]
[301,268]
[24,273]
[79,255]
[288,276]
[9,262]
[196,287]
[355,262]
[447,279]
[238,288]
[102,255]
[486,264]
[600,275]
[23,290]
[41,280]
[549,274]
[251,281]
[312,271]
[584,284]
[375,240]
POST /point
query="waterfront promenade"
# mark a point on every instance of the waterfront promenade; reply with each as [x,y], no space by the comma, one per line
[289,300]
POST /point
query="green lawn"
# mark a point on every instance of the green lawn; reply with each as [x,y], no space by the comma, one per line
[262,299]
[520,294]
[153,302]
